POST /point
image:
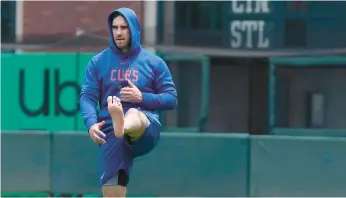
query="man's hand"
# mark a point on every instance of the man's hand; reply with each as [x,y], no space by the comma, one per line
[131,94]
[95,133]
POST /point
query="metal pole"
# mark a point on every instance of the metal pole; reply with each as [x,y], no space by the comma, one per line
[272,92]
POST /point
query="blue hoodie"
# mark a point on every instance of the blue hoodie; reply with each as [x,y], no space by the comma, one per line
[107,71]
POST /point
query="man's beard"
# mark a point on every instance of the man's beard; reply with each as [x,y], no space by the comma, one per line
[124,47]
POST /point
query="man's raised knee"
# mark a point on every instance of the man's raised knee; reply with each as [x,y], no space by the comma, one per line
[132,111]
[135,123]
[135,118]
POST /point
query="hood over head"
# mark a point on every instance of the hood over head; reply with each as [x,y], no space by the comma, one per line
[134,27]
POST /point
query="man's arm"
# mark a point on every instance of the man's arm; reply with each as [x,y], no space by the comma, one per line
[89,95]
[165,97]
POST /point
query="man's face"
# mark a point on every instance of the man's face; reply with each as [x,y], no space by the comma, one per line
[121,33]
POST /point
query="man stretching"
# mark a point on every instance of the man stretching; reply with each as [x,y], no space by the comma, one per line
[130,85]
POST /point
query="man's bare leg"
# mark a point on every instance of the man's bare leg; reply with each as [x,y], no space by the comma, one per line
[135,123]
[114,191]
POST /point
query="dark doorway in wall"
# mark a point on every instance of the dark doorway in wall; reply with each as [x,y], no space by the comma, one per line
[238,95]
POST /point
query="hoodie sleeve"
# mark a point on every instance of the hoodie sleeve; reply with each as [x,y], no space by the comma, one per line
[165,97]
[89,95]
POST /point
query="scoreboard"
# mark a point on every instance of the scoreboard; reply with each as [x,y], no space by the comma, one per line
[248,33]
[261,24]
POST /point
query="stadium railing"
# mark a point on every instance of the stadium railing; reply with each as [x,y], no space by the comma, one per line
[204,63]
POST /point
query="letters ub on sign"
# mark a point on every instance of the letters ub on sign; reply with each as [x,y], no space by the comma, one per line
[249,33]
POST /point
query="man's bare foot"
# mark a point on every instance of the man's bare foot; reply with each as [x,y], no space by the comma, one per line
[115,109]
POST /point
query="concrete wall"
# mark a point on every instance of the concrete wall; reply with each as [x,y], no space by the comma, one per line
[239,95]
[299,82]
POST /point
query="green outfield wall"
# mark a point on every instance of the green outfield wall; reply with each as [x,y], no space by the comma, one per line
[183,164]
[42,91]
